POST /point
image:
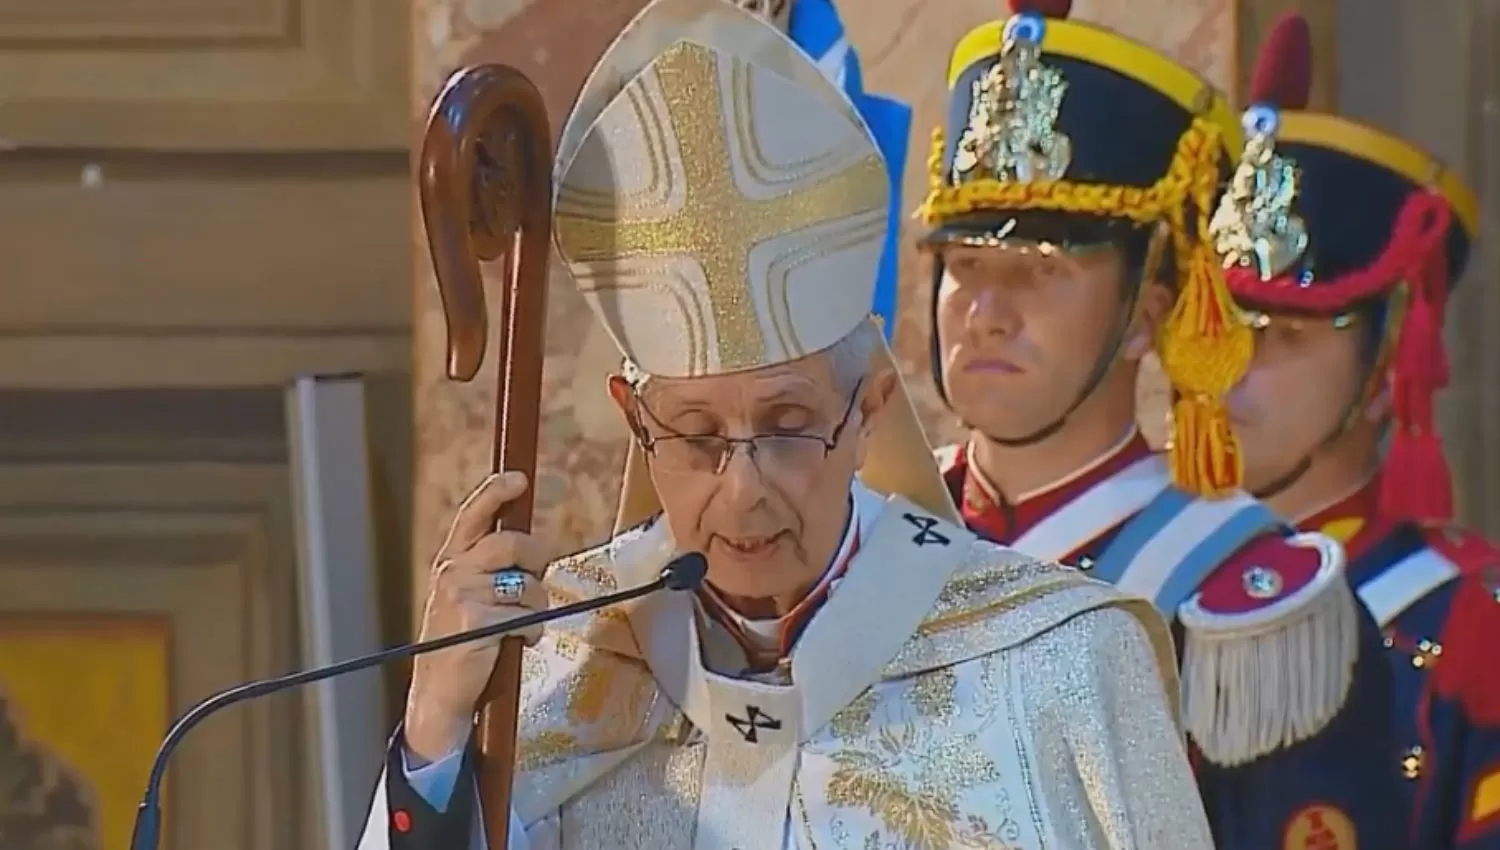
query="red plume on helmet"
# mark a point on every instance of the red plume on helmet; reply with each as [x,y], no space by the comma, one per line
[1054,9]
[1283,71]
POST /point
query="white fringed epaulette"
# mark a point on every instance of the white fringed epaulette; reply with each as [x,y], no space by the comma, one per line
[1269,649]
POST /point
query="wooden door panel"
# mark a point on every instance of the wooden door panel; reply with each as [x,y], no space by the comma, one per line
[127,593]
[205,74]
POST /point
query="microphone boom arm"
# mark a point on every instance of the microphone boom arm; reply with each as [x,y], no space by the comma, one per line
[683,573]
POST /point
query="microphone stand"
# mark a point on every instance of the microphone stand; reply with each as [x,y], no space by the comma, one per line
[685,572]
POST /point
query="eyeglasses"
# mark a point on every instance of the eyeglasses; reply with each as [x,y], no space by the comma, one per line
[710,453]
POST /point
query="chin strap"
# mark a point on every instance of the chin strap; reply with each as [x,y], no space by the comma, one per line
[1102,365]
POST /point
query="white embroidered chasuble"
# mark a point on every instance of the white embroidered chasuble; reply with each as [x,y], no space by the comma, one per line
[949,694]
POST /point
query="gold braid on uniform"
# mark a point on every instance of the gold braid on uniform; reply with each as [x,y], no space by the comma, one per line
[1205,346]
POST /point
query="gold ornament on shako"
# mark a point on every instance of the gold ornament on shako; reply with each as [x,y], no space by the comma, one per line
[1254,226]
[1012,133]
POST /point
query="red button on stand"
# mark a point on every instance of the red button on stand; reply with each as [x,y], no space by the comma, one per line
[401,820]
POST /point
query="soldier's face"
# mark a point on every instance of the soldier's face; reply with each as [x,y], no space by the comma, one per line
[1304,378]
[1020,329]
[768,523]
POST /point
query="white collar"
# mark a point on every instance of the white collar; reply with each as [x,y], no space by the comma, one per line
[999,498]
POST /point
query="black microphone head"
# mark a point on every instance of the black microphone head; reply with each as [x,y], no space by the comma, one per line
[685,572]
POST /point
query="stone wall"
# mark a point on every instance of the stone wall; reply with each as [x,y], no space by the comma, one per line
[904,46]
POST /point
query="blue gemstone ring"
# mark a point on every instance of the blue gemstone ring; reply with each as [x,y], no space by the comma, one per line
[509,586]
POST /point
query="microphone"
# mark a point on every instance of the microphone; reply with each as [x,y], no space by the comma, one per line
[686,572]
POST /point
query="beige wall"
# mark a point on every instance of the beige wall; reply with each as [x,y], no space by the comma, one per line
[197,202]
[1430,72]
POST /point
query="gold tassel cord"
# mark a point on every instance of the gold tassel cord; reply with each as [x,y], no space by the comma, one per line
[1205,346]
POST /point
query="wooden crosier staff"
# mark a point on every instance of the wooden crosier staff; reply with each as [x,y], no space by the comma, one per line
[485,178]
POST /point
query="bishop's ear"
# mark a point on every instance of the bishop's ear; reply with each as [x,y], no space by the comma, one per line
[623,395]
[875,394]
[879,387]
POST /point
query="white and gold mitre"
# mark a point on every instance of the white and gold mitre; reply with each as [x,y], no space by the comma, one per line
[722,207]
[717,212]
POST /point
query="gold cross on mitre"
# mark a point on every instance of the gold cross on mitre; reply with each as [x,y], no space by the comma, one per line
[722,215]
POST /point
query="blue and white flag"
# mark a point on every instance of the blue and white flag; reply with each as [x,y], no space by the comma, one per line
[816,28]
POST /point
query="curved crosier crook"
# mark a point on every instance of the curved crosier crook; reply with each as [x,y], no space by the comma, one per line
[485,180]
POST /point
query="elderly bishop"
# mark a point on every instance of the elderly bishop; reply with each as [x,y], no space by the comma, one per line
[859,671]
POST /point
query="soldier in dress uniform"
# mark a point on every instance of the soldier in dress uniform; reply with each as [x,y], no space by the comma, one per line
[1070,196]
[1344,242]
[858,669]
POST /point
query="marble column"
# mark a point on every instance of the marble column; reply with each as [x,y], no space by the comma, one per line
[904,44]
